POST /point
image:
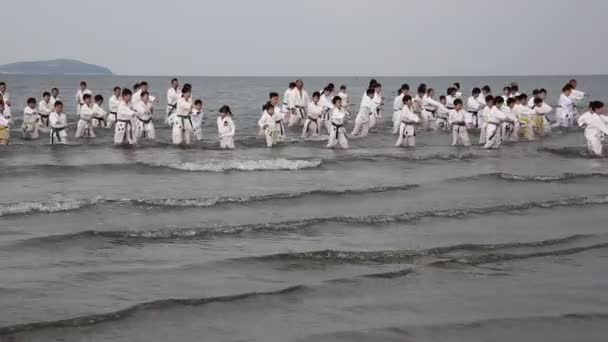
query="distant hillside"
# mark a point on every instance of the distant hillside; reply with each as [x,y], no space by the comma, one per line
[54,67]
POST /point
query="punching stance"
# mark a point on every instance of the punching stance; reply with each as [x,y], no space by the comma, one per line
[268,124]
[31,120]
[338,134]
[407,128]
[312,125]
[367,110]
[494,121]
[182,123]
[84,128]
[58,124]
[144,126]
[45,109]
[457,120]
[124,131]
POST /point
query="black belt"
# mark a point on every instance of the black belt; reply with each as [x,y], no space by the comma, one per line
[115,114]
[280,125]
[302,111]
[337,129]
[475,114]
[184,118]
[55,133]
[173,107]
[129,128]
[408,123]
[316,121]
[100,119]
[43,118]
[144,121]
[496,131]
[460,124]
[431,111]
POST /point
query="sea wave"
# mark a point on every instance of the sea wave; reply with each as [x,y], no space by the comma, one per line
[535,178]
[224,165]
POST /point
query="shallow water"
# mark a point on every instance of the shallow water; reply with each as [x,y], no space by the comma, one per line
[300,243]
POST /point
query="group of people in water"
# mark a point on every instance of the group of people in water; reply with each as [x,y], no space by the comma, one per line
[505,118]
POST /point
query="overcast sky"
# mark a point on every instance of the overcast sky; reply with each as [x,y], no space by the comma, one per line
[313,37]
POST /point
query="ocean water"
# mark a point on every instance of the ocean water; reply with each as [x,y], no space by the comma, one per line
[301,243]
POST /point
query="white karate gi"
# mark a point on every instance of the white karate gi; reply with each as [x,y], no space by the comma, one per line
[99,116]
[407,128]
[367,110]
[271,128]
[493,128]
[113,104]
[124,130]
[312,125]
[525,117]
[397,107]
[377,115]
[327,104]
[565,112]
[144,126]
[595,129]
[58,123]
[345,102]
[6,97]
[226,131]
[173,96]
[483,124]
[44,110]
[510,127]
[429,112]
[472,114]
[457,120]
[298,102]
[80,99]
[338,134]
[84,127]
[182,123]
[31,123]
[198,119]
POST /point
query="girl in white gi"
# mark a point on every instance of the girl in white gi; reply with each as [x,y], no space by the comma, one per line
[298,102]
[595,127]
[344,96]
[31,120]
[80,96]
[44,110]
[6,97]
[493,124]
[58,123]
[510,127]
[124,130]
[279,116]
[173,95]
[397,107]
[565,109]
[312,125]
[144,126]
[99,115]
[198,119]
[113,104]
[85,124]
[473,108]
[576,96]
[226,128]
[182,122]
[268,124]
[429,110]
[378,100]
[4,126]
[338,134]
[367,109]
[457,120]
[407,128]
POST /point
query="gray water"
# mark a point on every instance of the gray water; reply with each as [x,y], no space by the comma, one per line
[300,243]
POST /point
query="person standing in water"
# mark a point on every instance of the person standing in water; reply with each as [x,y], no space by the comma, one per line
[594,123]
[338,134]
[226,128]
[408,120]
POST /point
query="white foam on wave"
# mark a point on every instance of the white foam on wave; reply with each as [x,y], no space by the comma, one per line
[45,207]
[220,165]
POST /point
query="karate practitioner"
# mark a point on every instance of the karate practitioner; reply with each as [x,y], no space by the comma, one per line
[542,127]
[144,127]
[80,96]
[344,96]
[429,110]
[458,93]
[173,95]
[312,125]
[338,134]
[59,124]
[124,131]
[525,116]
[326,101]
[418,99]
[367,110]
[484,117]
[279,117]
[268,124]
[493,125]
[54,98]
[457,120]
[6,97]
[506,93]
[182,122]
[450,98]
[474,106]
[113,104]
[535,94]
[408,121]
[443,115]
[298,102]
[31,120]
[378,101]
[99,115]
[226,128]
[5,132]
[565,110]
[84,128]
[397,108]
[44,110]
[595,127]
[510,126]
[576,96]
[198,119]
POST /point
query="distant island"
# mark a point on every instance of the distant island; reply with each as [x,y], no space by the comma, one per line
[54,67]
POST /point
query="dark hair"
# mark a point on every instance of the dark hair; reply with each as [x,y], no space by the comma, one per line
[538,100]
[372,83]
[405,87]
[336,99]
[331,86]
[83,84]
[1,102]
[273,94]
[2,83]
[327,89]
[117,88]
[487,89]
[127,92]
[498,100]
[400,91]
[514,87]
[98,98]
[136,86]
[442,97]
[316,94]
[476,91]
[46,93]
[510,101]
[292,85]
[58,103]
[422,88]
[450,91]
[489,98]
[456,85]
[507,88]
[523,97]
[407,99]
[55,89]
[370,92]
[378,85]
[174,80]
[31,100]
[567,87]
[343,87]
[144,83]
[267,106]
[457,102]
[595,105]
[429,90]
[542,90]
[186,89]
[198,102]
[535,92]
[225,110]
[86,96]
[144,93]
